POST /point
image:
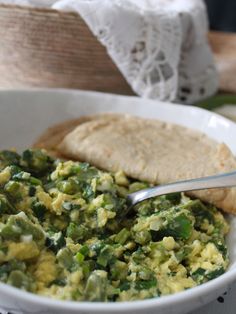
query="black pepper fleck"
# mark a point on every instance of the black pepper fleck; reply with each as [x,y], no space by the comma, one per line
[221,300]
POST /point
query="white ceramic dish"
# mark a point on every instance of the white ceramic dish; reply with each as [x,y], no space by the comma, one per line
[25,114]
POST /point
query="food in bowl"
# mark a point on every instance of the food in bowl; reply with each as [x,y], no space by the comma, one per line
[64,233]
[145,149]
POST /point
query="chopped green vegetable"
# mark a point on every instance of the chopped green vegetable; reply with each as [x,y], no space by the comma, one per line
[96,286]
[19,225]
[36,162]
[65,258]
[122,236]
[180,228]
[55,241]
[65,232]
[39,209]
[76,232]
[68,187]
[8,157]
[145,284]
[19,280]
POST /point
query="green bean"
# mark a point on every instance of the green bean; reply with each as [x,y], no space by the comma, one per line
[18,225]
[79,257]
[119,270]
[13,264]
[96,287]
[13,188]
[65,258]
[19,280]
[77,232]
[106,255]
[84,250]
[122,236]
[67,186]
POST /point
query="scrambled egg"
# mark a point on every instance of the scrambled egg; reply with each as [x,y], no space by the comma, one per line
[64,233]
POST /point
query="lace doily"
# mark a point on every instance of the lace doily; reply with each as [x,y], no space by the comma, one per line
[160,46]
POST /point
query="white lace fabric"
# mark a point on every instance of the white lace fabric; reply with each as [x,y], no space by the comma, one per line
[160,46]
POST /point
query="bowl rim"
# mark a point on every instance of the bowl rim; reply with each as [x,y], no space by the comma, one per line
[181,297]
[184,296]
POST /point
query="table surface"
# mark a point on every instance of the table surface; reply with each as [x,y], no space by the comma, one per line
[225,303]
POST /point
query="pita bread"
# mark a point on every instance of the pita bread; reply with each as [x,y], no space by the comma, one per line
[152,151]
[54,135]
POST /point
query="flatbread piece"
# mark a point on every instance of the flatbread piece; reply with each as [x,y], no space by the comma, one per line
[153,151]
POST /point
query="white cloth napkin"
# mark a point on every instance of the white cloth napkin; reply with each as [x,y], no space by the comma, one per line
[160,46]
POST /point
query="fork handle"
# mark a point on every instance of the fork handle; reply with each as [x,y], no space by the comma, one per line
[210,182]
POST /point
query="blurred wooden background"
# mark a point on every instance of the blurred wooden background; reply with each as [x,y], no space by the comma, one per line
[224,48]
[47,48]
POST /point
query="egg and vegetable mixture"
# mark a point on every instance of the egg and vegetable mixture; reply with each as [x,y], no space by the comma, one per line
[64,233]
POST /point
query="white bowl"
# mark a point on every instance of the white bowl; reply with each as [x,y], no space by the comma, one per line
[25,114]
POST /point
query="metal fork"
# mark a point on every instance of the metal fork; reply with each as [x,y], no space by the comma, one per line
[217,181]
